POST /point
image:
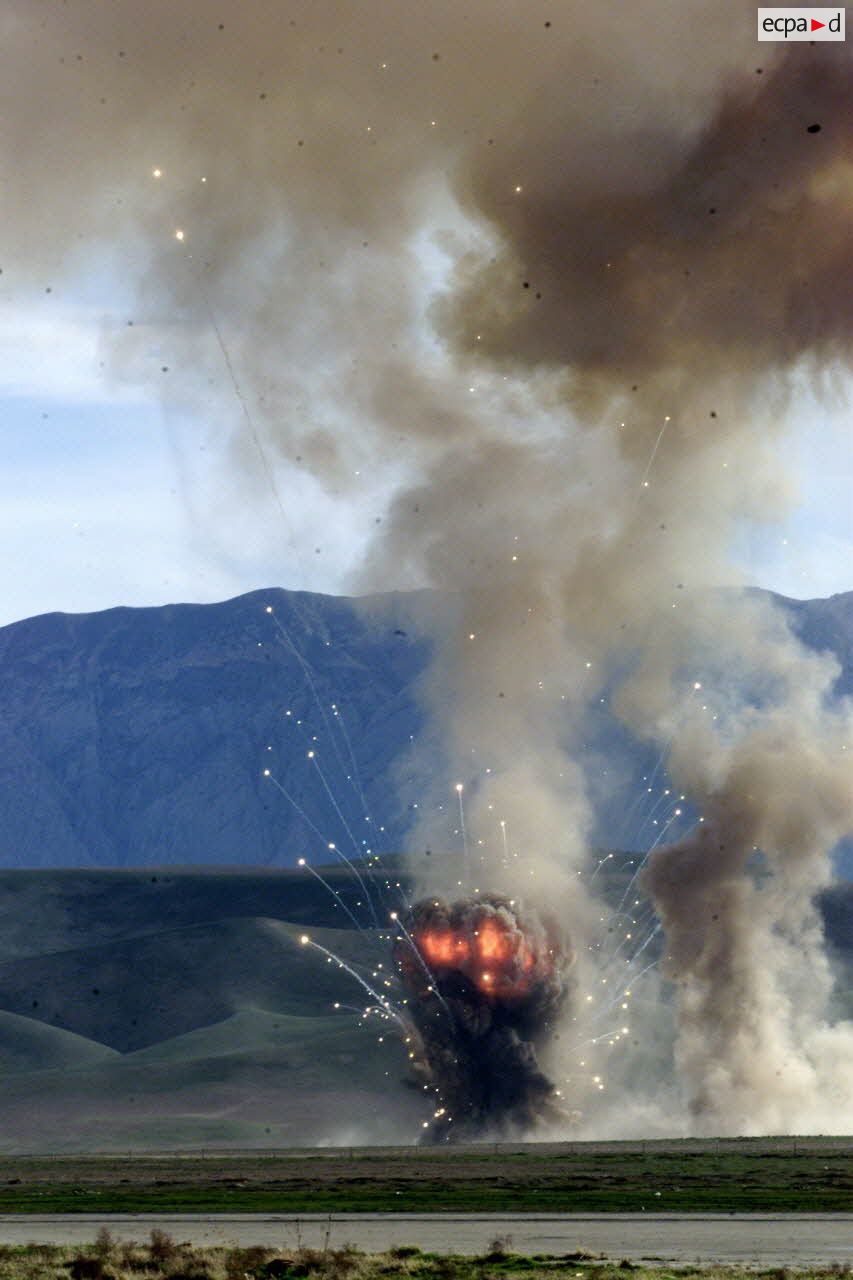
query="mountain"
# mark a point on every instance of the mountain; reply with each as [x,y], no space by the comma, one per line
[139,737]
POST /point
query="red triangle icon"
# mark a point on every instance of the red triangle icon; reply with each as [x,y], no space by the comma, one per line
[816,24]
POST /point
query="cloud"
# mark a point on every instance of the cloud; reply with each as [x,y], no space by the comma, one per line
[53,353]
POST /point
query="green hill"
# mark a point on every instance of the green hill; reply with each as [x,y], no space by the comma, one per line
[28,1046]
[150,1009]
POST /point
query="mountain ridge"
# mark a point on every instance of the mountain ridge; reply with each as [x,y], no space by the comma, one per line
[138,736]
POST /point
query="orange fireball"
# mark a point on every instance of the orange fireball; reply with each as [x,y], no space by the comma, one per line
[443,947]
[505,955]
[499,961]
[493,943]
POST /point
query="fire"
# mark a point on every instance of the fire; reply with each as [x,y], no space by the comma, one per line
[496,957]
[443,948]
[484,980]
[492,943]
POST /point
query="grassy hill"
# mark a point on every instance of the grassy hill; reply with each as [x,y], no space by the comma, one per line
[154,1009]
[192,1015]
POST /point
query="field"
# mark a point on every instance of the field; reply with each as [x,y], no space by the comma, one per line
[740,1175]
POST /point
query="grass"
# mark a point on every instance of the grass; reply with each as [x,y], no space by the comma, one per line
[162,1258]
[424,1182]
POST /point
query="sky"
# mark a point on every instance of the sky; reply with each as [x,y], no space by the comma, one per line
[106,499]
[113,492]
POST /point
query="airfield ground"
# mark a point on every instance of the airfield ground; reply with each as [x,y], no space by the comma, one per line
[784,1175]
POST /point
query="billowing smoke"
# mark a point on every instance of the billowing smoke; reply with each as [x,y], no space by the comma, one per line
[486,980]
[530,296]
[744,941]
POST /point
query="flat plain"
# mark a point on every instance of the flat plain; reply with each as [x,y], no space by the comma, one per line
[784,1175]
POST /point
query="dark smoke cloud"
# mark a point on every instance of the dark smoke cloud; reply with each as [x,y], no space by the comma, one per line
[645,251]
[486,981]
[718,254]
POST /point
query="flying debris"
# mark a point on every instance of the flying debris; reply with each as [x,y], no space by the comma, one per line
[485,979]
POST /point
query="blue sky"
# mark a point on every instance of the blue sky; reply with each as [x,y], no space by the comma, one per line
[105,501]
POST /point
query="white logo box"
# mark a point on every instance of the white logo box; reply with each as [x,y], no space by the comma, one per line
[792,23]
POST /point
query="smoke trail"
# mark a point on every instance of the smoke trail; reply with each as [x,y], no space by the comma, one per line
[644,248]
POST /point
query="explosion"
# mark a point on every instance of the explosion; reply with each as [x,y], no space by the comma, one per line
[485,979]
[538,350]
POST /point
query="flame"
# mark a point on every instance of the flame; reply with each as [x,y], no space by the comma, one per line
[498,959]
[493,943]
[443,948]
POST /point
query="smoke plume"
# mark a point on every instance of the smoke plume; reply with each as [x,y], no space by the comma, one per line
[528,291]
[743,934]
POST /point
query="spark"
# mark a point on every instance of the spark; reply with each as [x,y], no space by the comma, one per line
[382,1002]
[654,451]
[303,864]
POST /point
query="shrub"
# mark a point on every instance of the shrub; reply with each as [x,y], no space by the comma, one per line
[240,1263]
[498,1249]
[84,1268]
[104,1244]
[162,1249]
[280,1269]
